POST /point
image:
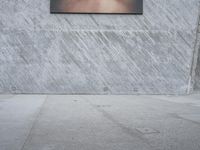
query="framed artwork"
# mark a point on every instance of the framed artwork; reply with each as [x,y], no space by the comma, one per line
[97,6]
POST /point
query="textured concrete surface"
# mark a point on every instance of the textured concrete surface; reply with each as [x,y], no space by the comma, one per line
[197,71]
[17,115]
[99,122]
[97,54]
[197,77]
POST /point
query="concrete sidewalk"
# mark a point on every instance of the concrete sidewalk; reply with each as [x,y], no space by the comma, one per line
[77,122]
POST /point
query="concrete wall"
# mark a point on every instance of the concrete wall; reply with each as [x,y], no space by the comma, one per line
[197,78]
[97,54]
[197,73]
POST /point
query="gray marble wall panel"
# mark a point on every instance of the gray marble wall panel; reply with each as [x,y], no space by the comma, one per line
[197,75]
[197,78]
[97,54]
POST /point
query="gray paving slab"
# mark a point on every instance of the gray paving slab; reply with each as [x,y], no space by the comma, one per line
[115,123]
[17,114]
[193,99]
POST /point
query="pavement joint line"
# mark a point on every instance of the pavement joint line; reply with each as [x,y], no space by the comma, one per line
[188,120]
[188,103]
[163,100]
[34,123]
[126,130]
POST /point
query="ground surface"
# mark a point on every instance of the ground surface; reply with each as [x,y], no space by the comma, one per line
[40,122]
